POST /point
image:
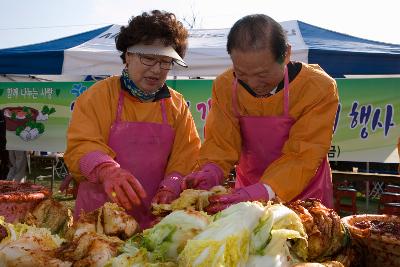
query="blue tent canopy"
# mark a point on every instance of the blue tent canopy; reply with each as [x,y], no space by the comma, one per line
[94,53]
[42,58]
[340,54]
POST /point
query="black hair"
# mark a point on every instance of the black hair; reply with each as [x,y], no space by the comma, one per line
[151,26]
[256,32]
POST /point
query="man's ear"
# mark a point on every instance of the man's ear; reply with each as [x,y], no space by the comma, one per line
[287,54]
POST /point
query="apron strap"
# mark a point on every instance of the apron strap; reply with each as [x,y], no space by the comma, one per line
[120,106]
[286,93]
[235,98]
[163,112]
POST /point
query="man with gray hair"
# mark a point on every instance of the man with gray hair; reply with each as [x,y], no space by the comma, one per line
[271,117]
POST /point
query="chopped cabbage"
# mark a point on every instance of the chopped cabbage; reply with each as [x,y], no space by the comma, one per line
[225,242]
[162,243]
[269,245]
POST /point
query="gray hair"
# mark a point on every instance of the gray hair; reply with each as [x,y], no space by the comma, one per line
[257,32]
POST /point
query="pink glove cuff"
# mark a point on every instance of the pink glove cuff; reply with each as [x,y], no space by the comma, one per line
[256,191]
[214,168]
[90,161]
[172,183]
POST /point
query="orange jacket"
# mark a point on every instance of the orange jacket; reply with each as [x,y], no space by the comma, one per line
[313,104]
[95,111]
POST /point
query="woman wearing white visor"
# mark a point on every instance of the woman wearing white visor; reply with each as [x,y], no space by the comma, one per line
[132,138]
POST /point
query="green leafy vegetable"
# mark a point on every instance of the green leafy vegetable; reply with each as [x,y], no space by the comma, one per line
[19,130]
[269,240]
[30,124]
[33,125]
[225,242]
[161,244]
[40,127]
[47,110]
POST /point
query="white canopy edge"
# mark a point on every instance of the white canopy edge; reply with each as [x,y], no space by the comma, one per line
[206,55]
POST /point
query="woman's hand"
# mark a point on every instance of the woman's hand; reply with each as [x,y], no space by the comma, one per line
[120,185]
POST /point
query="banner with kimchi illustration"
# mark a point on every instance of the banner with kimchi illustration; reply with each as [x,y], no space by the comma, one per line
[365,130]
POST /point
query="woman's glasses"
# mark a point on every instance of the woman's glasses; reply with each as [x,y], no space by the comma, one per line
[150,61]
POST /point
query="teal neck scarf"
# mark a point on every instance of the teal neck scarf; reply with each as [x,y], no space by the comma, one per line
[134,90]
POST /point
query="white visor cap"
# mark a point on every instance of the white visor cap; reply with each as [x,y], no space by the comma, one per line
[158,50]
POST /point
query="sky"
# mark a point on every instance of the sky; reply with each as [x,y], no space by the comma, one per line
[25,22]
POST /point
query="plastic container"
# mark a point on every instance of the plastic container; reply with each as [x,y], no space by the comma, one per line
[16,199]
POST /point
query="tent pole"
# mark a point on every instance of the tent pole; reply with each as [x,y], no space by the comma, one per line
[367,187]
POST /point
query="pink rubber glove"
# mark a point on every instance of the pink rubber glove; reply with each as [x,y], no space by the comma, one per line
[120,185]
[169,190]
[249,193]
[210,175]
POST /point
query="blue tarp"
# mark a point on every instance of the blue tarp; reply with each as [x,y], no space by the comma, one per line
[338,54]
[42,58]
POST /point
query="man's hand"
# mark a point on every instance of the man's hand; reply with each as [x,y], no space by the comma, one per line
[249,193]
[164,197]
[209,176]
[169,190]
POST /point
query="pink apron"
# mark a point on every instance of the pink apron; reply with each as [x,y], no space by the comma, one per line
[143,149]
[263,138]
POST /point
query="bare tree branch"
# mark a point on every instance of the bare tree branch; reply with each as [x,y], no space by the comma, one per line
[192,21]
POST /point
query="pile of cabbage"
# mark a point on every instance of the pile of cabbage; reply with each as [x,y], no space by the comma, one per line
[24,245]
[245,234]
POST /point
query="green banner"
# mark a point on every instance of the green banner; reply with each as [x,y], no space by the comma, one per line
[37,115]
[366,122]
[197,94]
